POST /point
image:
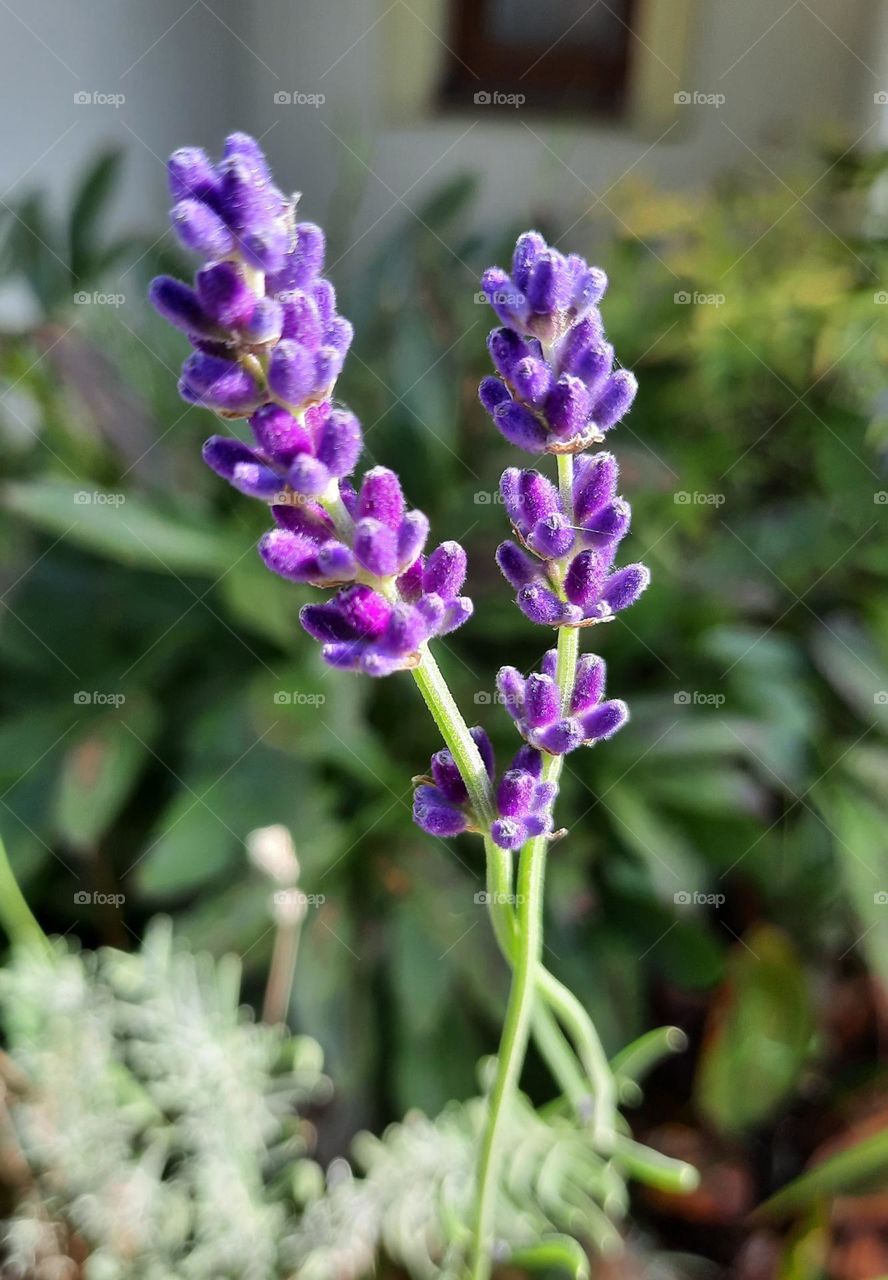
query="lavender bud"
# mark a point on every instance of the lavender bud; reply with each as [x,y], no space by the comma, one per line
[615,400]
[219,384]
[291,372]
[225,295]
[237,464]
[381,497]
[201,229]
[180,305]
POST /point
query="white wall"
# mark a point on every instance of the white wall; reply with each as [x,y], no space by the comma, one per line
[191,71]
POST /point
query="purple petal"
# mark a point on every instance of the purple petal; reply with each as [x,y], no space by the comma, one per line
[540,604]
[302,319]
[515,793]
[588,683]
[239,465]
[200,229]
[225,294]
[552,538]
[381,497]
[549,664]
[520,427]
[434,814]
[290,555]
[279,433]
[406,631]
[532,379]
[376,547]
[595,485]
[448,778]
[508,833]
[528,248]
[445,570]
[516,565]
[340,443]
[537,497]
[541,700]
[308,476]
[492,393]
[585,579]
[412,537]
[608,527]
[529,760]
[615,400]
[561,737]
[567,407]
[304,262]
[291,372]
[456,612]
[548,284]
[625,586]
[265,325]
[179,304]
[192,175]
[510,686]
[604,721]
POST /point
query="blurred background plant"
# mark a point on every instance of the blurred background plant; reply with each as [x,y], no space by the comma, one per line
[726,870]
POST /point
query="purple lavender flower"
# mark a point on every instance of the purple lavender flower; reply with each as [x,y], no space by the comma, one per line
[535,706]
[557,390]
[269,345]
[561,567]
[441,805]
[524,803]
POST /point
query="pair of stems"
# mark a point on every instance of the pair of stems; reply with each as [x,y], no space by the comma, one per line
[534,992]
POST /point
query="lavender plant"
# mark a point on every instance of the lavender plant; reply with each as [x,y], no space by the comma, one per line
[269,345]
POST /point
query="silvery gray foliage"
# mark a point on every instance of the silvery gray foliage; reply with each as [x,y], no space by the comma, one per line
[158,1119]
[414,1200]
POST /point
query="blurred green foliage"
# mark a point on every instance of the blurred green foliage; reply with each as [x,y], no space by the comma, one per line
[743,814]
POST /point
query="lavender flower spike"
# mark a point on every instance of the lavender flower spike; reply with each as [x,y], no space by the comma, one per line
[556,389]
[561,565]
[269,346]
[534,705]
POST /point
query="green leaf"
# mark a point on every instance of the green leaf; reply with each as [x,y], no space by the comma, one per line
[859,1168]
[123,528]
[190,848]
[760,1031]
[90,200]
[556,1251]
[846,655]
[99,771]
[861,849]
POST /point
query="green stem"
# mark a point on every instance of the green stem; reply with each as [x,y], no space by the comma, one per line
[18,921]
